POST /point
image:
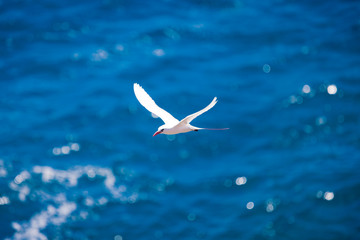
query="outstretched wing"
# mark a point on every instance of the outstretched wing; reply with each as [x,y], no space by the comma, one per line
[191,117]
[151,106]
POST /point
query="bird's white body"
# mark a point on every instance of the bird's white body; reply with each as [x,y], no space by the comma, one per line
[172,125]
[180,128]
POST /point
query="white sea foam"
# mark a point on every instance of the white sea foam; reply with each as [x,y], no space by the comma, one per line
[3,171]
[23,176]
[23,190]
[51,216]
[4,200]
[70,177]
[99,55]
[58,208]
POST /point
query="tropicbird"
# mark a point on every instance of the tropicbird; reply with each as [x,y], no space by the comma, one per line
[172,125]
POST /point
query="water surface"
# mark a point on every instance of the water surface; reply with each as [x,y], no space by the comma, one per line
[78,160]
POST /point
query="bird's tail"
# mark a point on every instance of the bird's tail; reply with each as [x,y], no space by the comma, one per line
[213,129]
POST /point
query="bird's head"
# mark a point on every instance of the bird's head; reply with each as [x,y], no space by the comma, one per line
[159,131]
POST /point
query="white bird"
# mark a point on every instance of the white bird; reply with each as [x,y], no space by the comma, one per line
[172,125]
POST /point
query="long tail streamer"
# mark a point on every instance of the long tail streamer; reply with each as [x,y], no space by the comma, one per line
[214,128]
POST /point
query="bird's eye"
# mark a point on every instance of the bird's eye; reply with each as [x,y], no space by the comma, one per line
[162,130]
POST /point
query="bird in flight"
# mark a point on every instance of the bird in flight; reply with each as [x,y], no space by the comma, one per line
[172,125]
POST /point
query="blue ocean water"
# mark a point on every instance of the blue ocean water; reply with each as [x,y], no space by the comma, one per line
[77,156]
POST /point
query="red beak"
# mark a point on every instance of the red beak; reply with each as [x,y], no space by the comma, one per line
[158,132]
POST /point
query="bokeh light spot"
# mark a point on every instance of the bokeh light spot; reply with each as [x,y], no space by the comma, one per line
[319,194]
[119,47]
[65,150]
[329,196]
[118,237]
[270,207]
[56,151]
[321,120]
[266,68]
[158,52]
[293,99]
[241,181]
[306,89]
[75,147]
[332,89]
[99,55]
[250,205]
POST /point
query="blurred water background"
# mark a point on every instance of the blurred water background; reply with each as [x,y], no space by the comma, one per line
[78,160]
